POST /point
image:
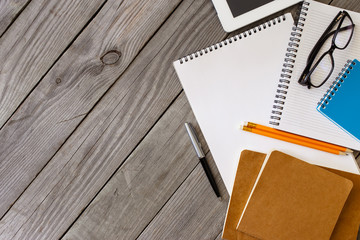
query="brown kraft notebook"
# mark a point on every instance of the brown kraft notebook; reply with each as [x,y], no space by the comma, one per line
[292,199]
[249,166]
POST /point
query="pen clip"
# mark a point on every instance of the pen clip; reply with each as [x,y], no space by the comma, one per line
[194,140]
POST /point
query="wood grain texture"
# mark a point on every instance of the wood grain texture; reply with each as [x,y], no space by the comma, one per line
[357,156]
[219,236]
[193,212]
[9,9]
[72,87]
[146,181]
[118,132]
[113,129]
[352,5]
[33,43]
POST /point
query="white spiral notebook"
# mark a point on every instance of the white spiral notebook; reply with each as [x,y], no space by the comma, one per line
[298,112]
[236,80]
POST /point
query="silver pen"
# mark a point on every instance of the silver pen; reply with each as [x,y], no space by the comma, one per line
[200,153]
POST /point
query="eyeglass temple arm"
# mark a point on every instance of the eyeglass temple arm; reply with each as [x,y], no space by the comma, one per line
[332,24]
[323,39]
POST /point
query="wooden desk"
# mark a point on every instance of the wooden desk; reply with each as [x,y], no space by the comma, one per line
[93,144]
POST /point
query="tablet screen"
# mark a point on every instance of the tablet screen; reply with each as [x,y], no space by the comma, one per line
[239,7]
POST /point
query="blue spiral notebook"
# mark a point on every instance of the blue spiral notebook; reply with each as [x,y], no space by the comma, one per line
[341,103]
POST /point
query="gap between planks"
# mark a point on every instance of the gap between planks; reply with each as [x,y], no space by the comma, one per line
[9,11]
[119,84]
[50,134]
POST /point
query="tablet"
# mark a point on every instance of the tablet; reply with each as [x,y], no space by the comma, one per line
[235,14]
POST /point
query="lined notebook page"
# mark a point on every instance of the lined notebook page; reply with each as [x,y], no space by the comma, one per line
[300,115]
[234,82]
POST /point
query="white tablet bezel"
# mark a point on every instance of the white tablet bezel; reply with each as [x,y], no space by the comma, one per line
[230,23]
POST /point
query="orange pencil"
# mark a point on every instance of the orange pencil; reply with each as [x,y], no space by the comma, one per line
[292,140]
[298,137]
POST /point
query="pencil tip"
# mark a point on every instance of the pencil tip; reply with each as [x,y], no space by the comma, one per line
[243,124]
[349,151]
[342,153]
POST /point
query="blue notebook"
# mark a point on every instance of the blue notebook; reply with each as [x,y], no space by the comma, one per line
[341,103]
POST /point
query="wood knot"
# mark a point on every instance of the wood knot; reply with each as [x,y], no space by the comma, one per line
[111,57]
[58,80]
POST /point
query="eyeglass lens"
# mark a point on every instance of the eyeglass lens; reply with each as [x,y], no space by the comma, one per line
[323,65]
[342,38]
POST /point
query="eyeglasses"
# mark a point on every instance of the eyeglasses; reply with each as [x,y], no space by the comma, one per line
[321,69]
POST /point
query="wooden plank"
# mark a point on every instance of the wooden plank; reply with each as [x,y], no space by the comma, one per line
[113,129]
[33,43]
[357,156]
[219,236]
[352,5]
[72,87]
[9,10]
[193,212]
[150,176]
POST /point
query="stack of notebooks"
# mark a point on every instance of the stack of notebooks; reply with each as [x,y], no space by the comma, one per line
[280,197]
[254,76]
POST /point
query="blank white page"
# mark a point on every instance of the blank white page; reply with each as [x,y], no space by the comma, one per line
[300,115]
[236,82]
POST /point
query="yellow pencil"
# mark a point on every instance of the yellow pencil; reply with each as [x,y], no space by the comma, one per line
[292,140]
[298,137]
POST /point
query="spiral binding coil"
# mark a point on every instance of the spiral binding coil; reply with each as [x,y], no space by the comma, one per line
[232,39]
[331,92]
[288,65]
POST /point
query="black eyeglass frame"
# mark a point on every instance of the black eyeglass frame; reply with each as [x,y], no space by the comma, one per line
[305,79]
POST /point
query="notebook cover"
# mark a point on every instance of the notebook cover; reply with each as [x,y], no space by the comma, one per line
[248,168]
[223,89]
[344,104]
[294,200]
[347,225]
